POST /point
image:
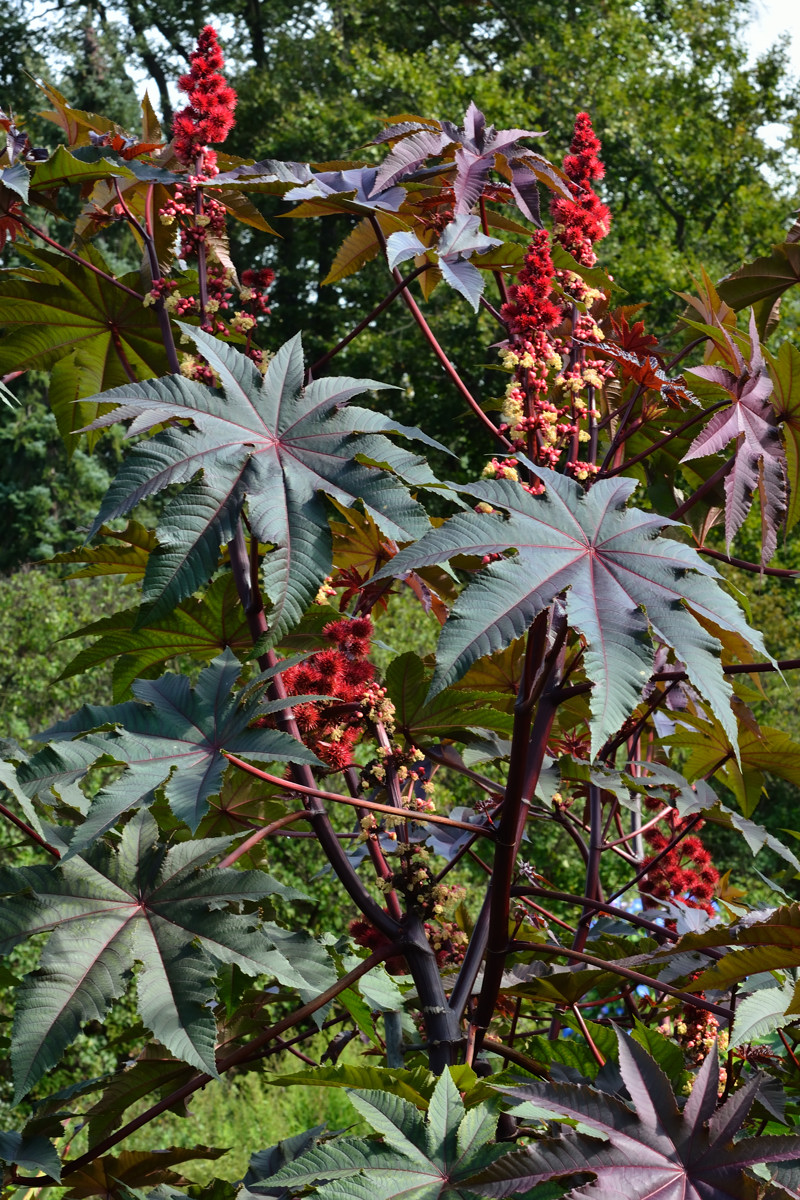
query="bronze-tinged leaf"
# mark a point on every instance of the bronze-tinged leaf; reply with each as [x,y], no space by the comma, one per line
[499,673]
[761,284]
[112,1175]
[785,371]
[361,245]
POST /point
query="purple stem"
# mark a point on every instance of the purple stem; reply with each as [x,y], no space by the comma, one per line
[662,441]
[77,258]
[430,338]
[704,489]
[155,275]
[312,372]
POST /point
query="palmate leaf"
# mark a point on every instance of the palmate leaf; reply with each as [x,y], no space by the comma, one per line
[459,240]
[198,627]
[699,797]
[30,1153]
[173,735]
[113,1174]
[771,944]
[63,168]
[474,149]
[427,1157]
[785,371]
[60,306]
[125,554]
[652,1149]
[761,283]
[450,714]
[750,422]
[612,565]
[768,750]
[268,440]
[763,1012]
[146,904]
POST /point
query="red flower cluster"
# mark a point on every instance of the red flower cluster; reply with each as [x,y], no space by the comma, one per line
[530,309]
[254,290]
[344,672]
[685,873]
[584,220]
[208,117]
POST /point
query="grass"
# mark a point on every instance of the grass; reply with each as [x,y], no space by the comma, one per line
[246,1114]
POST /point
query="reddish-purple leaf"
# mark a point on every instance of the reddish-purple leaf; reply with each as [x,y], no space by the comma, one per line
[651,1150]
[749,421]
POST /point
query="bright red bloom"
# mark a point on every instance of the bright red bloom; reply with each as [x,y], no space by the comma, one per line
[584,220]
[208,117]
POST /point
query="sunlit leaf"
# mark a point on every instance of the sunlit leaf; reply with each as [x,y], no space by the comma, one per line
[146,904]
[650,1148]
[268,440]
[612,565]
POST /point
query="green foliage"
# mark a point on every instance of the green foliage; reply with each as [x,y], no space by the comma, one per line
[592,545]
[651,1146]
[33,654]
[593,678]
[148,904]
[263,440]
[171,735]
[46,496]
[435,1155]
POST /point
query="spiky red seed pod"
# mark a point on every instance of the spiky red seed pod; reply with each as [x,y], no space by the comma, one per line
[209,115]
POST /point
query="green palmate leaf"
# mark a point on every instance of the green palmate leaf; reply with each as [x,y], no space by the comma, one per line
[596,277]
[450,714]
[145,904]
[419,1158]
[785,397]
[30,1154]
[767,750]
[63,168]
[61,307]
[125,555]
[666,1053]
[200,628]
[762,1012]
[622,583]
[650,1149]
[268,440]
[173,735]
[73,377]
